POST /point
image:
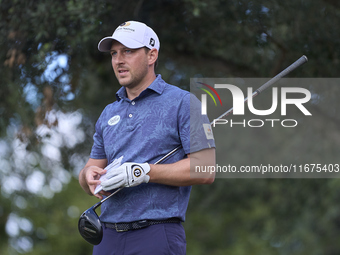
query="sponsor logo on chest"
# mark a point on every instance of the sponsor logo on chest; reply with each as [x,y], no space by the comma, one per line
[114,120]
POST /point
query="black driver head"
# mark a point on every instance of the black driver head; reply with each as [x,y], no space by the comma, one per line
[90,227]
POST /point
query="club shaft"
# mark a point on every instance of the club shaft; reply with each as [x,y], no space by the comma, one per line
[269,83]
[112,194]
[286,71]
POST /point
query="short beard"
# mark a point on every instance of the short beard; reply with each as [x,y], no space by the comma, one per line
[137,77]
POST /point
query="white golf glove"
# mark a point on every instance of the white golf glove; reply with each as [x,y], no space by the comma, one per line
[127,175]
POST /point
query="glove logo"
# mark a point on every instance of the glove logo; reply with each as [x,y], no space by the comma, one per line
[137,172]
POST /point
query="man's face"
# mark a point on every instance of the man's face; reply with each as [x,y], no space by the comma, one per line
[130,65]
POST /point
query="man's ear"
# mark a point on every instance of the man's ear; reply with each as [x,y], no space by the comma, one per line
[152,56]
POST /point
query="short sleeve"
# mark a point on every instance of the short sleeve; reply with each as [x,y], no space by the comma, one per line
[194,128]
[98,151]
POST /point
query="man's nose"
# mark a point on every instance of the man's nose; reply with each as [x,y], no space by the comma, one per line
[118,58]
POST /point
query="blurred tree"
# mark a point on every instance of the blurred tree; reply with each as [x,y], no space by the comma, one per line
[54,84]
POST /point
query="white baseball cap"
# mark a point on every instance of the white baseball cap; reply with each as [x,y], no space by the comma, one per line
[133,35]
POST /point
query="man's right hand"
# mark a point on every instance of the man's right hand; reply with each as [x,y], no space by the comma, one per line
[90,174]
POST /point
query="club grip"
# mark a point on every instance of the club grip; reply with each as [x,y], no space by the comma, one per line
[286,71]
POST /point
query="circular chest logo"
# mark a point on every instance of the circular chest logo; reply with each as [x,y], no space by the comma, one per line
[114,120]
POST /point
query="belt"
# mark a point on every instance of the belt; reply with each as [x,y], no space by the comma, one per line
[126,226]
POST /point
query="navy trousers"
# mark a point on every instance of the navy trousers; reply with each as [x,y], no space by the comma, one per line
[159,239]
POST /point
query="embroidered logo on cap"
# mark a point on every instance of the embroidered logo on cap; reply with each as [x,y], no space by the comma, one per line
[125,24]
[114,120]
[152,42]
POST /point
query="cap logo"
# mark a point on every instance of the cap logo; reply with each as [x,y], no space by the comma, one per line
[125,24]
[152,42]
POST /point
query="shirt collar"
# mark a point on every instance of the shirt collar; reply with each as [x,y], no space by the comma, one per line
[158,86]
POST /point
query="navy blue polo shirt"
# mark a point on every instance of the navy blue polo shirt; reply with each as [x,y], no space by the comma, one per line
[144,130]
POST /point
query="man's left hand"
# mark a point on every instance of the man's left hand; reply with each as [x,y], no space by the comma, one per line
[127,175]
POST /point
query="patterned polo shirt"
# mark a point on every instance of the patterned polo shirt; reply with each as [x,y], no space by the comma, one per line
[144,130]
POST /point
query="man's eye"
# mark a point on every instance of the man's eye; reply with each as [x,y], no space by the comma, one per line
[128,51]
[113,53]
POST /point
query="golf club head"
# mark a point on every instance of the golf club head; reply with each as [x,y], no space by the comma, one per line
[90,227]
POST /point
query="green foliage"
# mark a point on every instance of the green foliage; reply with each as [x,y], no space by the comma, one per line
[199,38]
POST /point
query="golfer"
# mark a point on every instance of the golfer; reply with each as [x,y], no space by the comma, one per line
[148,119]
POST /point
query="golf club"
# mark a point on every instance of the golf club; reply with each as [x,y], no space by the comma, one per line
[89,224]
